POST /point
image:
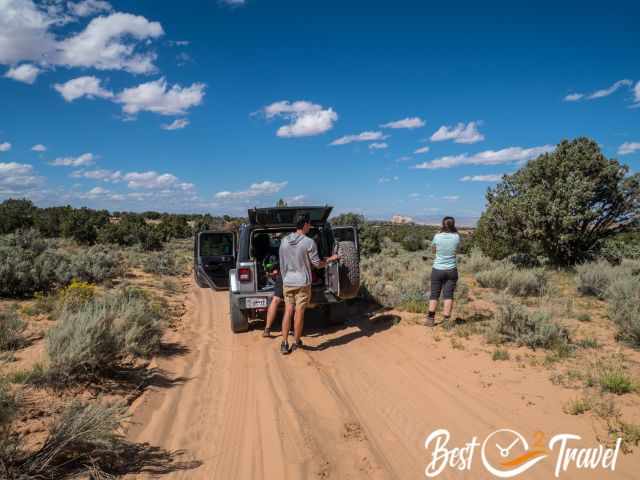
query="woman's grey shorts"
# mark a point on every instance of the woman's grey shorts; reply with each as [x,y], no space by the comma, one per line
[443,281]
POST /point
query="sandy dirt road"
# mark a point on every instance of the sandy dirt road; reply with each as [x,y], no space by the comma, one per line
[357,403]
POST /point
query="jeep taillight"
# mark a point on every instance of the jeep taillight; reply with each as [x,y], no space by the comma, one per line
[244,275]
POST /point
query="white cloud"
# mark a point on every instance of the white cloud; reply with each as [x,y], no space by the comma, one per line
[177,124]
[388,179]
[234,2]
[636,93]
[378,145]
[404,158]
[24,32]
[5,147]
[150,180]
[461,133]
[25,73]
[39,148]
[157,97]
[481,178]
[255,190]
[605,92]
[451,198]
[422,150]
[17,176]
[608,91]
[488,157]
[80,161]
[105,44]
[82,87]
[628,147]
[361,137]
[87,8]
[573,97]
[413,122]
[104,175]
[306,118]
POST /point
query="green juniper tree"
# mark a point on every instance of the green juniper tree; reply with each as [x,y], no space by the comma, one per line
[563,205]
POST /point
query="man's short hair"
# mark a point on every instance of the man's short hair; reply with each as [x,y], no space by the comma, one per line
[302,220]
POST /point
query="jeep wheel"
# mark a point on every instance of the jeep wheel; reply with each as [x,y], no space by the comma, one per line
[349,267]
[239,320]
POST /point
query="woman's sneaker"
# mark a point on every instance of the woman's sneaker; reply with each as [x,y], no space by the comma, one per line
[284,348]
[430,321]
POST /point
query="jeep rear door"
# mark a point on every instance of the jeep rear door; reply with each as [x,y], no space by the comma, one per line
[215,254]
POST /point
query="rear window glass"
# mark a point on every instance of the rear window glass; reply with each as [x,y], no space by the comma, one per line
[288,216]
[216,244]
[344,235]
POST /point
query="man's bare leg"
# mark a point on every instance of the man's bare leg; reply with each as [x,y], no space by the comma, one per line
[271,315]
[286,321]
[298,323]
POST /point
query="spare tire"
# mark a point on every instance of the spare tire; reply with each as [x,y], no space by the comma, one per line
[349,269]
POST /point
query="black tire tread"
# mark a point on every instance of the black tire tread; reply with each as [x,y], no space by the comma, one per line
[349,268]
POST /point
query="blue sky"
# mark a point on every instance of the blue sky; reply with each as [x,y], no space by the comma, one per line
[403,107]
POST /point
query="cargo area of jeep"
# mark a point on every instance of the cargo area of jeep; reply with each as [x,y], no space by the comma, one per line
[243,262]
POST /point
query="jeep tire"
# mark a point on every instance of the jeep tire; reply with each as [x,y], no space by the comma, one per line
[349,268]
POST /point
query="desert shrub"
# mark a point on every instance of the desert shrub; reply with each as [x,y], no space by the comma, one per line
[583,317]
[102,332]
[391,279]
[477,262]
[514,322]
[84,441]
[74,296]
[523,283]
[611,376]
[11,329]
[594,278]
[547,206]
[624,307]
[96,264]
[500,354]
[8,403]
[498,277]
[578,406]
[27,266]
[161,263]
[15,214]
[412,243]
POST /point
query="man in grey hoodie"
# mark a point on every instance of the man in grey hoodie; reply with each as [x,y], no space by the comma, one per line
[297,254]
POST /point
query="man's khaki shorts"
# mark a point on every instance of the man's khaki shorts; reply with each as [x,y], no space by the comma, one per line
[298,296]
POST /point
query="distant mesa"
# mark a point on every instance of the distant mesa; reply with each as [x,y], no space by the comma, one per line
[401,219]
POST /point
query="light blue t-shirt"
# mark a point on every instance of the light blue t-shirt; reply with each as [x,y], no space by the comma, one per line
[446,246]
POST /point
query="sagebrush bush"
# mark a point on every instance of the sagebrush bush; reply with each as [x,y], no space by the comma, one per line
[391,279]
[623,297]
[498,277]
[96,264]
[102,332]
[11,329]
[161,263]
[8,404]
[524,260]
[24,272]
[523,283]
[85,440]
[476,261]
[535,329]
[594,278]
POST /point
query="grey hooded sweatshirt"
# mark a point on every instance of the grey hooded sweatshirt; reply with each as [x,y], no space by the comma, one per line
[297,254]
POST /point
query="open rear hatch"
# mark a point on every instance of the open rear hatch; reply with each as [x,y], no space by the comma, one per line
[287,216]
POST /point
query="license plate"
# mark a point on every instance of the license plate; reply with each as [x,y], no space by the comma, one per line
[256,302]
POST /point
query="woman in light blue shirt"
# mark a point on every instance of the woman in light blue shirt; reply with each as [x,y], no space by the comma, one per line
[444,274]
